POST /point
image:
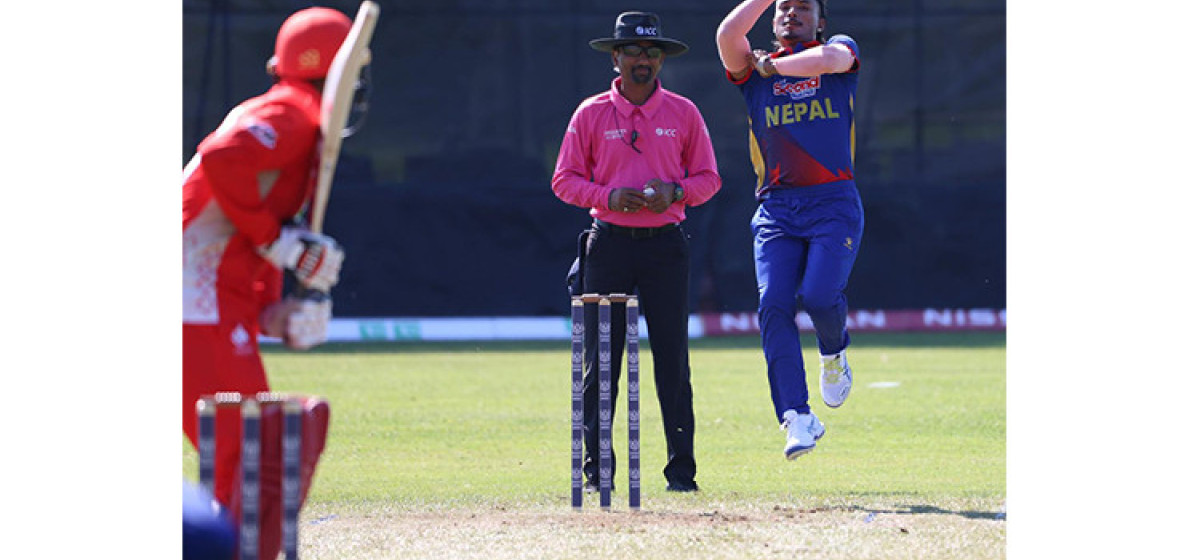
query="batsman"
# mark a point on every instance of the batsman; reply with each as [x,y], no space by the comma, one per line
[242,193]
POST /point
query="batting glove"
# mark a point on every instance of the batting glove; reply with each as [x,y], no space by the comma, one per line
[315,259]
[308,325]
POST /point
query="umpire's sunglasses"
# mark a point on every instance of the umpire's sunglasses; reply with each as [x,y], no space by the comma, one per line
[634,49]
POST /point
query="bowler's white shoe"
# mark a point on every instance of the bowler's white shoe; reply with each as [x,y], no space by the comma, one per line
[835,379]
[803,431]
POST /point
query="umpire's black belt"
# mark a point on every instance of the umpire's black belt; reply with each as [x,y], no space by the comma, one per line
[636,232]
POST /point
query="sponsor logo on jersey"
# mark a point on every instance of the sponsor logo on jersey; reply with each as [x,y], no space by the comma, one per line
[799,89]
[264,133]
[615,134]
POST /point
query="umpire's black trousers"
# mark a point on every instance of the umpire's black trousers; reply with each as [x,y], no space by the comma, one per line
[654,263]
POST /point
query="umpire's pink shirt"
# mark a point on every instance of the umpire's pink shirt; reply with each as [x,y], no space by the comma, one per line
[596,157]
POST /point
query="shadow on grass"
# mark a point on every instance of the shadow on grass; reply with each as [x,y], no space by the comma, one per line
[860,340]
[930,510]
[871,512]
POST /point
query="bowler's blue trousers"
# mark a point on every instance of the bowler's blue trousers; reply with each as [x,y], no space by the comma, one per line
[805,242]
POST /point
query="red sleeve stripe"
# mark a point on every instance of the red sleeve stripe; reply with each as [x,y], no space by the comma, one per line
[746,78]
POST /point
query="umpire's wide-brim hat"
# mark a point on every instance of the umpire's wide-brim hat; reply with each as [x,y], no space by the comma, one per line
[632,27]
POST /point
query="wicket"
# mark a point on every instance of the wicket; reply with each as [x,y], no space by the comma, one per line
[604,342]
[251,414]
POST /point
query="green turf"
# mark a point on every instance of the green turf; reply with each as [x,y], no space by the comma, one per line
[473,426]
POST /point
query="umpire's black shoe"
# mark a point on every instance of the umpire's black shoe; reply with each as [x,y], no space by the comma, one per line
[680,486]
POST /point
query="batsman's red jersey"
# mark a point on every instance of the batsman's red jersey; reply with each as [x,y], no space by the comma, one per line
[252,174]
[248,177]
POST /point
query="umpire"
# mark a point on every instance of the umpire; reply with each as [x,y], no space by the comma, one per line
[637,155]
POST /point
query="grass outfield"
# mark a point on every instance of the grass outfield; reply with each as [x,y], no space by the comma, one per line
[461,450]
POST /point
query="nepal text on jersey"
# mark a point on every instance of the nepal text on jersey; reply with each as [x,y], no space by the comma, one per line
[790,113]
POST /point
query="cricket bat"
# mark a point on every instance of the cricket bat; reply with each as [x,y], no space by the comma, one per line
[336,99]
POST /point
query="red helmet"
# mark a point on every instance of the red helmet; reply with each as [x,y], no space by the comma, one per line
[307,41]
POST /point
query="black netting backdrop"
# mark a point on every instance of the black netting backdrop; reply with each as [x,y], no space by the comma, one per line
[443,199]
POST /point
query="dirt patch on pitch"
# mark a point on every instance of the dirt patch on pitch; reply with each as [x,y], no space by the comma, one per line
[831,532]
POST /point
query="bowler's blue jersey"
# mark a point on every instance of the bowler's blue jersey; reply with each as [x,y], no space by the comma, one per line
[802,129]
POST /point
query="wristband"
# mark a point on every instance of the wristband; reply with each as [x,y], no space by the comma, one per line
[768,65]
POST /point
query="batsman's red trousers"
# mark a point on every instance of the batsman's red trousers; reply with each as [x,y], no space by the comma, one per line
[211,365]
